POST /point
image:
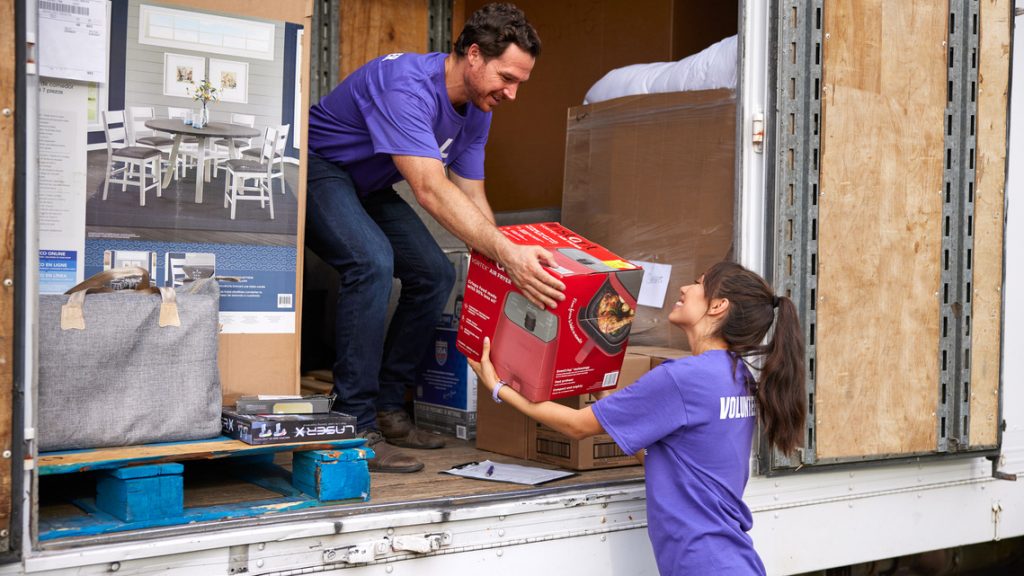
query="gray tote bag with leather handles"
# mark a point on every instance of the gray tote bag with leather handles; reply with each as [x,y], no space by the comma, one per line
[131,366]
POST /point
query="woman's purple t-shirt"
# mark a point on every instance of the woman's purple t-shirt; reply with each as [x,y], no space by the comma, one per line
[696,418]
[397,104]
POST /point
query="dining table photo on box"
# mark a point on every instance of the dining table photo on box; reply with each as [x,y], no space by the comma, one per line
[217,130]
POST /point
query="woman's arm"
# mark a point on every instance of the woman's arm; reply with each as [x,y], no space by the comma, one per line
[576,424]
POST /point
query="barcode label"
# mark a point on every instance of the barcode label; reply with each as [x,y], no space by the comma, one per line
[610,379]
[607,450]
[460,432]
[64,8]
[554,448]
[284,300]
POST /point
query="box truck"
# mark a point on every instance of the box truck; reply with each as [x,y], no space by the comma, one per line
[862,162]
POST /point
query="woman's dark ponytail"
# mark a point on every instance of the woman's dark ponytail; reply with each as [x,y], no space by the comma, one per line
[753,311]
[781,394]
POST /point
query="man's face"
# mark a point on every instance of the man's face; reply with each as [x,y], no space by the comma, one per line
[490,82]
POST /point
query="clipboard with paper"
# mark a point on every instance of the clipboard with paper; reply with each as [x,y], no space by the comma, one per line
[514,473]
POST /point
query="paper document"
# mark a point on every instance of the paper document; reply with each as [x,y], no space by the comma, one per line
[514,473]
[655,283]
[73,39]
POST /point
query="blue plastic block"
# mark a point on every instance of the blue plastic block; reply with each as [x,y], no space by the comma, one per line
[333,474]
[141,492]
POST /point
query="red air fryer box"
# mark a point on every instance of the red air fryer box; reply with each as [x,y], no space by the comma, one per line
[575,348]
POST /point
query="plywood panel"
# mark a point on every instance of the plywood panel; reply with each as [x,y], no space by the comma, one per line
[990,182]
[371,28]
[7,247]
[883,95]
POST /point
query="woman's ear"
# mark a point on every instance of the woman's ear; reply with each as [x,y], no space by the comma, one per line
[718,306]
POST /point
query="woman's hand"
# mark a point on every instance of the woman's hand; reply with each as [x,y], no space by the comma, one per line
[484,369]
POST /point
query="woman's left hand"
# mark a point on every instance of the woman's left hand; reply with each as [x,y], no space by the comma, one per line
[484,369]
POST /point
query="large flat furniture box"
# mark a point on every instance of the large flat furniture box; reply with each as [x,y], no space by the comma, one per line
[654,177]
[576,347]
[546,445]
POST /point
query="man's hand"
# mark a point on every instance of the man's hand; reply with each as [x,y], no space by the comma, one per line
[523,265]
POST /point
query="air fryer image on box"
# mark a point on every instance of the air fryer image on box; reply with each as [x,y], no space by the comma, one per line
[550,353]
[525,345]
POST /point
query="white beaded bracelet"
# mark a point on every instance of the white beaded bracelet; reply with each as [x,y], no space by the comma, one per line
[496,388]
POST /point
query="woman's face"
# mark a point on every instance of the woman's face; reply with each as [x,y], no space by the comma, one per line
[691,306]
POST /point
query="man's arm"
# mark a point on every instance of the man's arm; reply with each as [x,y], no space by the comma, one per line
[462,216]
[474,189]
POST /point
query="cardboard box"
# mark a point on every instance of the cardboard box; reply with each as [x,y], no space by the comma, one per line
[572,349]
[283,428]
[658,354]
[547,445]
[499,427]
[654,176]
[445,398]
[504,430]
[453,308]
[314,404]
[259,344]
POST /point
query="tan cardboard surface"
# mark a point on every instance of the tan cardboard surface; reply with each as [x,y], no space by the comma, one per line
[499,428]
[652,178]
[258,364]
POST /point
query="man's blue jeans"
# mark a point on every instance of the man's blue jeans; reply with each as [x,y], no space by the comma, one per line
[369,241]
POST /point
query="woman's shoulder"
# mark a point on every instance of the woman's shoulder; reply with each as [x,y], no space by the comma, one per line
[701,367]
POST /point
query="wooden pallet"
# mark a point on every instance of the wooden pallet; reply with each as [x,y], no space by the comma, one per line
[142,486]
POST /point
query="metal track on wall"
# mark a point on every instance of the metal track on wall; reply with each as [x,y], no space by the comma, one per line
[439,26]
[795,233]
[797,144]
[324,46]
[958,226]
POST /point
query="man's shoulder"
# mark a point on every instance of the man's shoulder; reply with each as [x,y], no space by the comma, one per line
[407,67]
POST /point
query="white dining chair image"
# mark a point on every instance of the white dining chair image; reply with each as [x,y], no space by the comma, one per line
[282,141]
[122,159]
[240,170]
[141,135]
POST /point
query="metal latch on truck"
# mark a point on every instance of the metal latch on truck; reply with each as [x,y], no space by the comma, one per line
[375,549]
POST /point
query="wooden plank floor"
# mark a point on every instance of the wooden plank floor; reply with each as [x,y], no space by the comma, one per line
[430,483]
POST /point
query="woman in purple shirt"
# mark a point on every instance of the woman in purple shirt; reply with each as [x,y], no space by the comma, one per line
[695,418]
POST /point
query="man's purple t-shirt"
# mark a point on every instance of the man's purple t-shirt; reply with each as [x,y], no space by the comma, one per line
[397,104]
[696,418]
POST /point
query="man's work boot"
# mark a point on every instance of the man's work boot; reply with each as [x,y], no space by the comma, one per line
[388,458]
[398,429]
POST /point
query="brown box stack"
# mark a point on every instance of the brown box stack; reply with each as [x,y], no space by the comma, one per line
[547,445]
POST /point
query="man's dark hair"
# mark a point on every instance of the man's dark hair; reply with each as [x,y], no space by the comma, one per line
[493,27]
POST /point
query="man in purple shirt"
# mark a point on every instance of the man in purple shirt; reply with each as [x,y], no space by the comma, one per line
[422,118]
